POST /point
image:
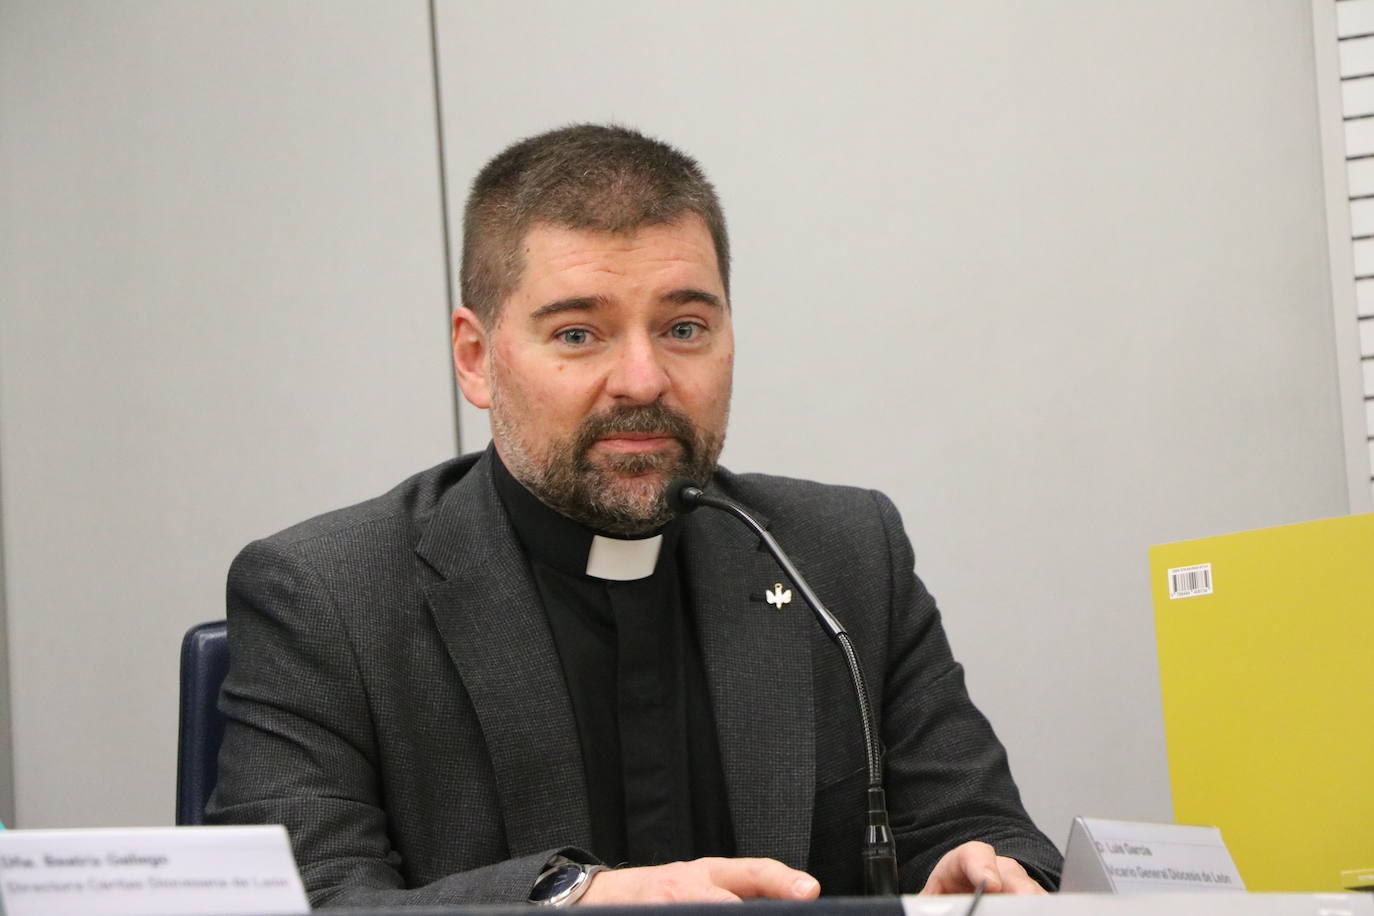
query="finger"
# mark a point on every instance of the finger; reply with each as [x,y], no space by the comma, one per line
[977,864]
[962,869]
[762,878]
[1015,880]
[678,882]
[711,894]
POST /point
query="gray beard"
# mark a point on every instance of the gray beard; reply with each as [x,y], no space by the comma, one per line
[596,495]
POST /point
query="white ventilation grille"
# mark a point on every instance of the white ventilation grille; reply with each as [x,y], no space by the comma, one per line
[1355,30]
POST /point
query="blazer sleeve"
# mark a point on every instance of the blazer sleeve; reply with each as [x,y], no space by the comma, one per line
[948,780]
[300,750]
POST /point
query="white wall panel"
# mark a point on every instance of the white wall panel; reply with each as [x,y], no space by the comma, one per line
[1362,217]
[222,303]
[1357,57]
[1355,17]
[1052,275]
[1357,96]
[1363,250]
[1359,137]
[1361,177]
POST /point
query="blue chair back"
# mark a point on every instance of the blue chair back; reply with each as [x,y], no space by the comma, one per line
[204,662]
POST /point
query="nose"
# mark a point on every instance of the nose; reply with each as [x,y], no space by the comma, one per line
[638,375]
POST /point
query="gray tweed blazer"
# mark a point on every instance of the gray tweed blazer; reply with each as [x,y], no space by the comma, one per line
[396,700]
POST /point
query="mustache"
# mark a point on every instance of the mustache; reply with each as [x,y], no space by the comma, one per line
[641,418]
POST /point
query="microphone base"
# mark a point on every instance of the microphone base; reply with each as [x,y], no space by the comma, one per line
[880,873]
[880,849]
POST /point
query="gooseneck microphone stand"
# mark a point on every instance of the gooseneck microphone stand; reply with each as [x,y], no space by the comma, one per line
[879,849]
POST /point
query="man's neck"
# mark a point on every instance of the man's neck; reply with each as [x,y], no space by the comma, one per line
[572,547]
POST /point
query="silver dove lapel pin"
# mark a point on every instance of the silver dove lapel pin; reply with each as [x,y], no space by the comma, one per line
[778,597]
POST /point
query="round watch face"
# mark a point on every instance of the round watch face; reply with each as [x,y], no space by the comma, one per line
[557,881]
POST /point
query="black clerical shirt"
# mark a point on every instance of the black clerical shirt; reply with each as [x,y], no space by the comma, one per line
[634,672]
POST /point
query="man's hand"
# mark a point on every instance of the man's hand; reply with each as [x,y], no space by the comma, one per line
[963,868]
[701,880]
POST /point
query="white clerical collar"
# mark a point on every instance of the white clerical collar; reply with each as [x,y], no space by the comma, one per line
[621,560]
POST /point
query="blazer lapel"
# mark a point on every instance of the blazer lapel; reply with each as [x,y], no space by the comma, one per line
[490,617]
[758,667]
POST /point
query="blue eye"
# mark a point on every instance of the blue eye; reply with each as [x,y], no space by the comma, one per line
[574,336]
[685,330]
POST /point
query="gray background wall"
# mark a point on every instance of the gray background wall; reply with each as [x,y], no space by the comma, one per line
[223,310]
[1052,275]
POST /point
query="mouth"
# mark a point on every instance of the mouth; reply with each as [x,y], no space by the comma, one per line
[636,443]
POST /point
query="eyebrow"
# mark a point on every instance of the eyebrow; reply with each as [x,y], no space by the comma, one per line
[591,303]
[576,303]
[689,295]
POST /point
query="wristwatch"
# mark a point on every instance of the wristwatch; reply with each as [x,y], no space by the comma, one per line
[563,882]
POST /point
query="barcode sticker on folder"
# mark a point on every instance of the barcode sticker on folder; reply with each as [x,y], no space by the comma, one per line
[1190,581]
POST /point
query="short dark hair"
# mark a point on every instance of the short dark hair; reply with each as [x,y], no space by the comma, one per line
[585,176]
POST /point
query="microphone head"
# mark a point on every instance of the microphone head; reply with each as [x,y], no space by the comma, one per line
[681,495]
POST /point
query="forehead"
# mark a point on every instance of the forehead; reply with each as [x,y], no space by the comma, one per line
[658,255]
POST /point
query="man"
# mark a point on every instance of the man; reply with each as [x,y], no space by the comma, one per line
[519,665]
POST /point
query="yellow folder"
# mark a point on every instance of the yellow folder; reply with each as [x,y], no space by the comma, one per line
[1266,663]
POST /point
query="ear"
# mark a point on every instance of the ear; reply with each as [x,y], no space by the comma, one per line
[470,352]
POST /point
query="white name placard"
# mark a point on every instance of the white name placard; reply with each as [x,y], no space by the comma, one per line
[1127,857]
[1190,903]
[150,871]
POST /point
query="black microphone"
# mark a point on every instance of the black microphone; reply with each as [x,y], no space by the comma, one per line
[879,848]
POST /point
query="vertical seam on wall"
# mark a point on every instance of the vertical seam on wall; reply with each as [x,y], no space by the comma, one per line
[7,793]
[442,158]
